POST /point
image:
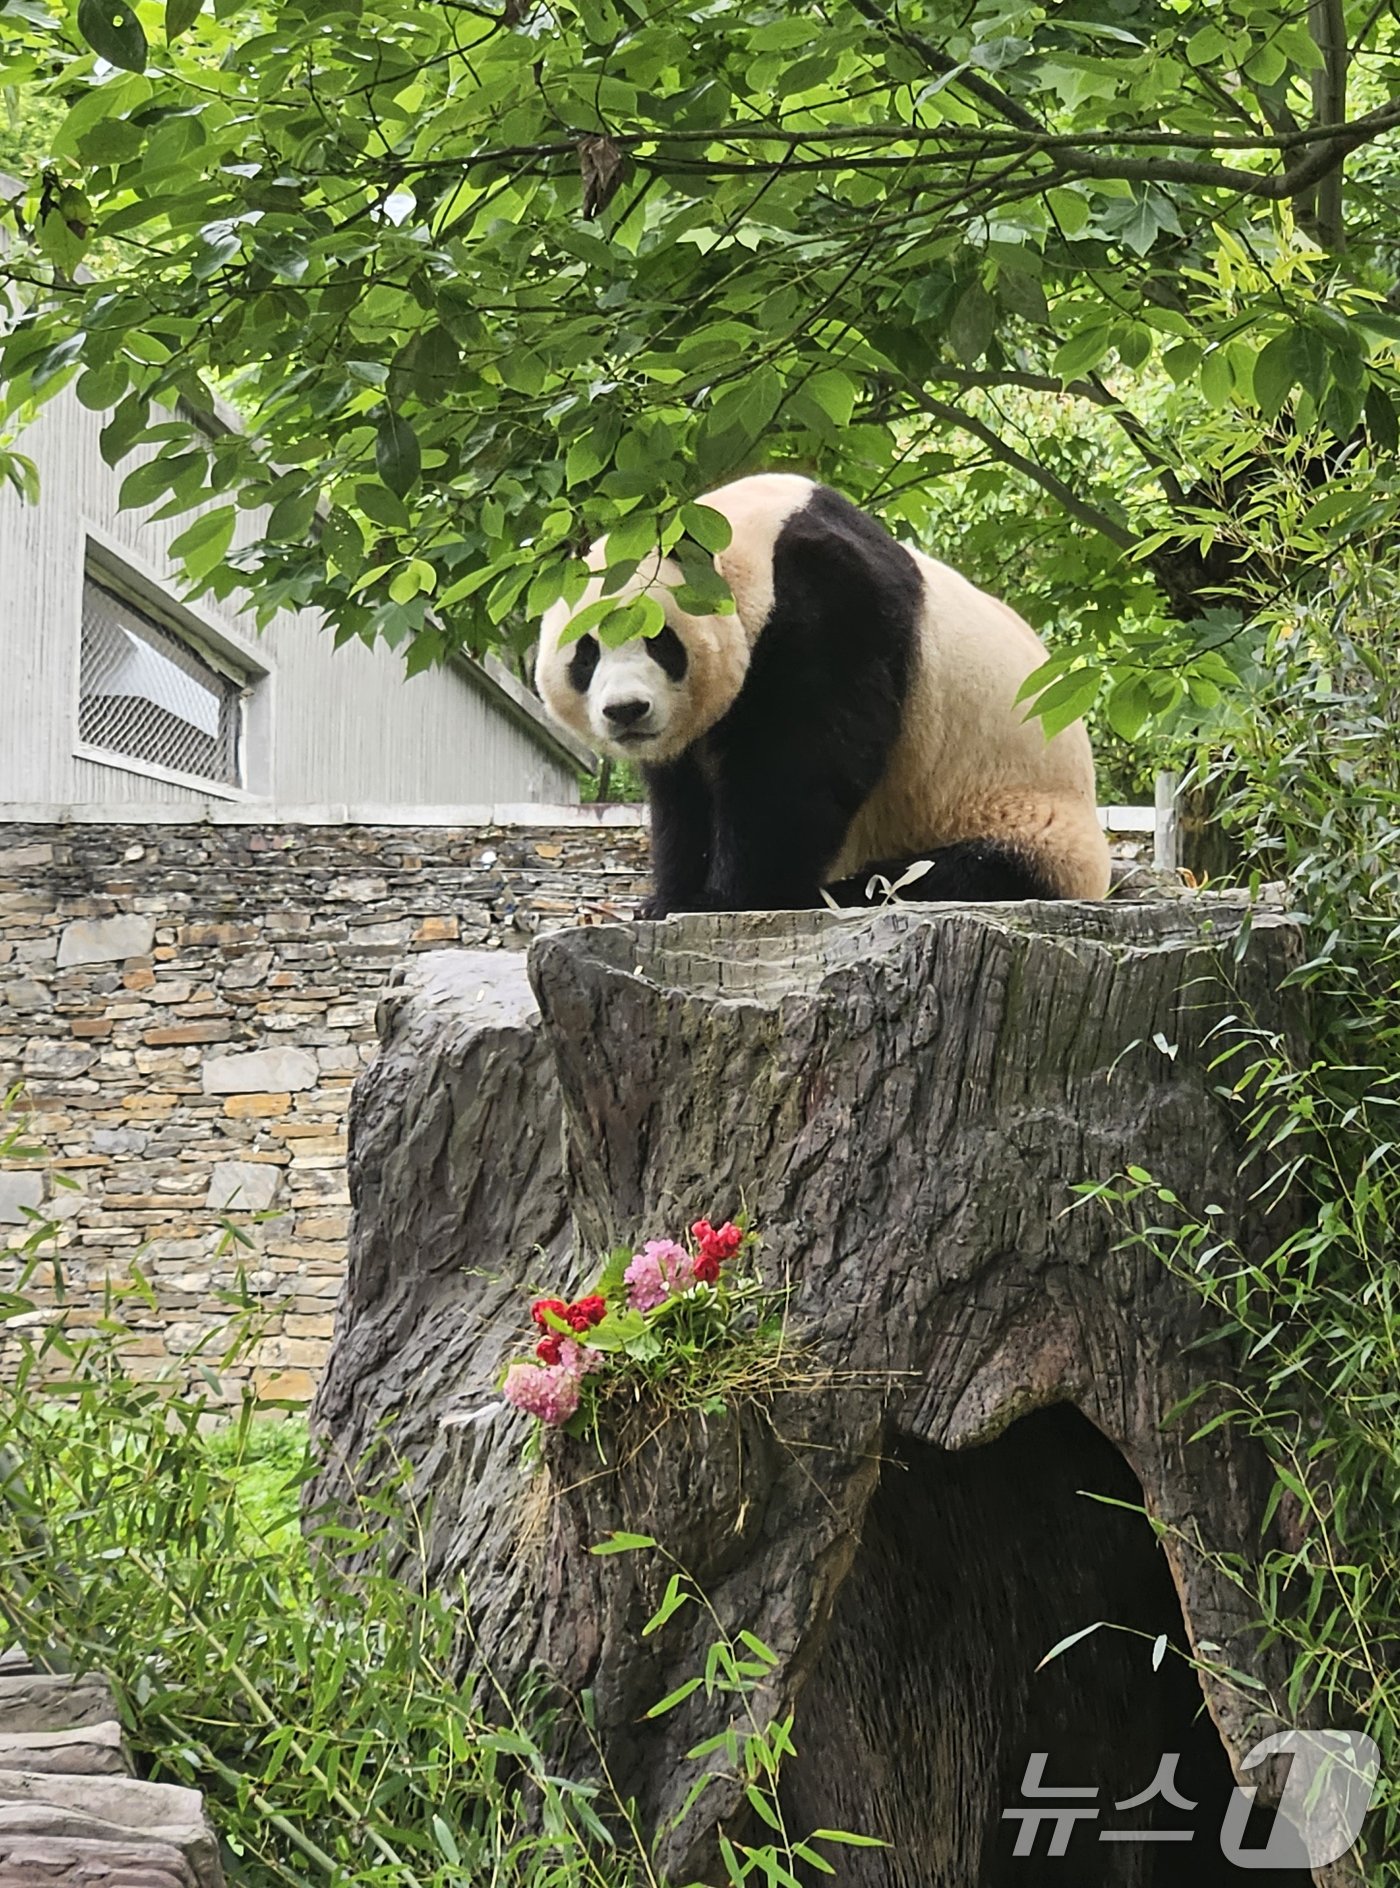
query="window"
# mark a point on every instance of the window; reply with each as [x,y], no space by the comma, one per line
[147,694]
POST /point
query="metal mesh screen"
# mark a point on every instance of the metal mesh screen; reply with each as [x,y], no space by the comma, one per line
[145,694]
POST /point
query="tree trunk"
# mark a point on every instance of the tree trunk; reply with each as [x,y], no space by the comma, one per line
[905,1100]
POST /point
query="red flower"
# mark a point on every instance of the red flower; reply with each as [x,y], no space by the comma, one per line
[542,1305]
[584,1313]
[716,1242]
[706,1266]
[547,1350]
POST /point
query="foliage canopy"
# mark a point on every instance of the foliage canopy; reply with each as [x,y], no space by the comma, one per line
[486,278]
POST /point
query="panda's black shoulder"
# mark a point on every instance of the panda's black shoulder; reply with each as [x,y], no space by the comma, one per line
[833,661]
[840,581]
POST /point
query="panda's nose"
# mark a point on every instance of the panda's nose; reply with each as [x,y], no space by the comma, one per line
[626,714]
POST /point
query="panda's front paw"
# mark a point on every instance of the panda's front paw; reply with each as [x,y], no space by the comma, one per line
[653,907]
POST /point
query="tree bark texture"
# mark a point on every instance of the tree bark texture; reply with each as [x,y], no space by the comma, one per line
[905,1100]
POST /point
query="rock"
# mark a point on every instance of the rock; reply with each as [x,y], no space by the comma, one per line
[117,1810]
[47,1701]
[261,1071]
[105,940]
[29,1861]
[19,1190]
[119,1140]
[91,1750]
[243,1186]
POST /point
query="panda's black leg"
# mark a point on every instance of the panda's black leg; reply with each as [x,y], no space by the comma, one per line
[975,871]
[778,822]
[681,816]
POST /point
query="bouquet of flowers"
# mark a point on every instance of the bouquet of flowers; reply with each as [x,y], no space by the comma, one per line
[668,1310]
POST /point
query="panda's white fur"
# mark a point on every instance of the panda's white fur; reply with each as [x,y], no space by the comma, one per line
[964,764]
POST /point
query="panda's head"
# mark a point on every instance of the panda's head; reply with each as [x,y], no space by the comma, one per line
[654,696]
[649,699]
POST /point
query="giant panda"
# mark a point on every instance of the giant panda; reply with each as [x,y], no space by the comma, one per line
[856,712]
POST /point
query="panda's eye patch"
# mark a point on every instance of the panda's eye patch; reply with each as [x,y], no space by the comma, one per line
[668,651]
[583,662]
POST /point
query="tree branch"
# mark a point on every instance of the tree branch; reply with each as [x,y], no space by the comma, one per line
[1325,147]
[1007,454]
[1092,390]
[938,62]
[1328,26]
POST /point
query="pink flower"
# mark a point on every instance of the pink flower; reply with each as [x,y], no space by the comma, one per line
[551,1394]
[580,1360]
[660,1269]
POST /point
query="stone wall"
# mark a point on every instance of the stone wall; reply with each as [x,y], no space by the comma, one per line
[187,1006]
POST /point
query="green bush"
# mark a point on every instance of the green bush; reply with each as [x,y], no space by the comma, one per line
[323,1714]
[147,1533]
[1307,778]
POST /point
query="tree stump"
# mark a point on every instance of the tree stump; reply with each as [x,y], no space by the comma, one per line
[905,1099]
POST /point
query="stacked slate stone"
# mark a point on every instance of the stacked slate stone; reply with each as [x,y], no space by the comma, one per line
[71,1813]
[188,1006]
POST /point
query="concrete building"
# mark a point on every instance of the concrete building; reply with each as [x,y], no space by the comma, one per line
[117,694]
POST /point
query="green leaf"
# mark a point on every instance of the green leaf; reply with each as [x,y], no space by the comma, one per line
[643,616]
[119,435]
[618,1543]
[1266,65]
[147,483]
[1276,372]
[1381,421]
[63,230]
[380,504]
[343,541]
[396,453]
[180,16]
[1069,207]
[205,543]
[1140,229]
[847,1839]
[672,1698]
[674,1599]
[446,1841]
[431,362]
[834,393]
[1063,1645]
[756,1646]
[1067,700]
[1182,360]
[1082,352]
[290,518]
[114,32]
[101,387]
[972,326]
[762,1808]
[108,97]
[1127,708]
[1206,46]
[707,527]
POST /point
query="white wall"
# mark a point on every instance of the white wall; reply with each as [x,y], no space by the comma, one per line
[326,725]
